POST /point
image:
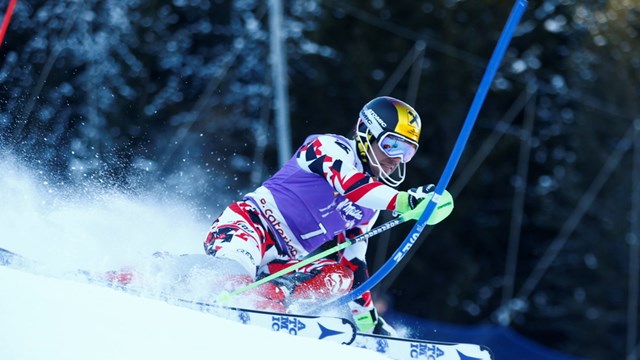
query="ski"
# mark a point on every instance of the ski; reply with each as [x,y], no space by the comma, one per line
[394,347]
[329,328]
[10,259]
[403,348]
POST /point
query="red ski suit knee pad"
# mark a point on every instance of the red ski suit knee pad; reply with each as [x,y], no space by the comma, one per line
[325,282]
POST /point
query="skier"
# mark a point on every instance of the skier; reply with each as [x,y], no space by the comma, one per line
[332,189]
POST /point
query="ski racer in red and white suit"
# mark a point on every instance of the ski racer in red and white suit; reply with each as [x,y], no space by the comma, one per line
[329,190]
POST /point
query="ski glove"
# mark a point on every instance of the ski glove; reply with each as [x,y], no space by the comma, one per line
[368,321]
[411,204]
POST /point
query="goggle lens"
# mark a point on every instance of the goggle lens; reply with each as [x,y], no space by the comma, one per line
[395,146]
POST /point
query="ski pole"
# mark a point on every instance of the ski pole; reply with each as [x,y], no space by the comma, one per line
[226,296]
[481,93]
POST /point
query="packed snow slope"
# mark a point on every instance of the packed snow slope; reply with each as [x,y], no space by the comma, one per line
[50,319]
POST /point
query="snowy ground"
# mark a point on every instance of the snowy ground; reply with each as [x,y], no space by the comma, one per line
[90,227]
[46,318]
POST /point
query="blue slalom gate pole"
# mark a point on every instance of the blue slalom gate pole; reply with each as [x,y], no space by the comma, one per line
[421,224]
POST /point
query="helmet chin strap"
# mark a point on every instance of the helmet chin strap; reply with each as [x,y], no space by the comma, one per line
[361,138]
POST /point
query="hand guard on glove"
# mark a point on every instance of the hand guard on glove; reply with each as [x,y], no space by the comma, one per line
[368,321]
[411,204]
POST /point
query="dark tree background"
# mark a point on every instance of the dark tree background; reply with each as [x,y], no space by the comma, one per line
[177,96]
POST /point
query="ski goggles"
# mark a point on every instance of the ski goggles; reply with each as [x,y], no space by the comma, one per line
[393,145]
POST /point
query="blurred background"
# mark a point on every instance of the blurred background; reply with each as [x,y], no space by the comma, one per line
[180,96]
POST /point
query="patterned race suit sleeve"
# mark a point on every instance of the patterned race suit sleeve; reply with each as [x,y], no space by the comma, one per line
[335,161]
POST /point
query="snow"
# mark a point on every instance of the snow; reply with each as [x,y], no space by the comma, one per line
[47,318]
[91,227]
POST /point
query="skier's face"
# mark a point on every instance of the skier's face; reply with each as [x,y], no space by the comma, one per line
[387,164]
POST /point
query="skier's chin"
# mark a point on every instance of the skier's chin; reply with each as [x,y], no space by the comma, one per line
[383,171]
